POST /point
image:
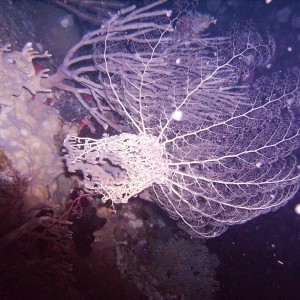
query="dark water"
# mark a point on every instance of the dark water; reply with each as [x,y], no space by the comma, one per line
[261,259]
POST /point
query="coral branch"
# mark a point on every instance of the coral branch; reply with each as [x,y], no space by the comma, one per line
[225,150]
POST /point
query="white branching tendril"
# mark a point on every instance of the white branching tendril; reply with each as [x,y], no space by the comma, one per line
[229,156]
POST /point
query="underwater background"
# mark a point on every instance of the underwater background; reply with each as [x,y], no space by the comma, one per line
[88,251]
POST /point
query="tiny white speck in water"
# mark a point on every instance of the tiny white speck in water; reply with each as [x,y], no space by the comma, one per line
[177,115]
[259,164]
[66,21]
[297,209]
[39,46]
[169,13]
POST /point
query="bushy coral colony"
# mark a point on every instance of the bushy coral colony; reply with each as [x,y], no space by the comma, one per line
[17,72]
[226,150]
[27,126]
